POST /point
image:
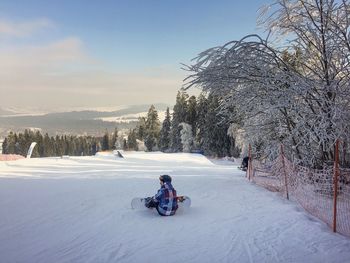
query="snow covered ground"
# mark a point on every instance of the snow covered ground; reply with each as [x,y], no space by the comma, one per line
[127,118]
[77,209]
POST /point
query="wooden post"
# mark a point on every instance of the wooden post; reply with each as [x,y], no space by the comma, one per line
[335,183]
[249,161]
[284,172]
[344,152]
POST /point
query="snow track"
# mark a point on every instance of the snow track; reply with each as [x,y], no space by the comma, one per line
[78,210]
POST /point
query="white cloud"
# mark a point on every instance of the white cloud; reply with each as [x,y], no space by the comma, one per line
[61,74]
[46,58]
[88,89]
[23,29]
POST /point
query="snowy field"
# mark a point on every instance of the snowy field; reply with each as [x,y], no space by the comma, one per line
[78,210]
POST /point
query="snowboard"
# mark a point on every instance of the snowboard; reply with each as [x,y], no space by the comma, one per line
[182,201]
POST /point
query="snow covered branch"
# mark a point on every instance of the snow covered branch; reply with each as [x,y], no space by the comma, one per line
[296,94]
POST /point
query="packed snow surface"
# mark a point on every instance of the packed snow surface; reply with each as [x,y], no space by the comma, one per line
[77,209]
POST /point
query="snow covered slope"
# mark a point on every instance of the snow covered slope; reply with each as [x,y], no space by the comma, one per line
[77,209]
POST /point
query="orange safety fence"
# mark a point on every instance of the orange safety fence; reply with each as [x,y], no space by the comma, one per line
[10,157]
[313,189]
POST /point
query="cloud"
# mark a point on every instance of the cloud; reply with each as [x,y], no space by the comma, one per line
[62,74]
[23,29]
[53,57]
[88,89]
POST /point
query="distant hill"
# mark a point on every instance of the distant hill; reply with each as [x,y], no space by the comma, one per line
[89,122]
[6,112]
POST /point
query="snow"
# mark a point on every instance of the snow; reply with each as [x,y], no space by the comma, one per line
[77,209]
[34,111]
[127,118]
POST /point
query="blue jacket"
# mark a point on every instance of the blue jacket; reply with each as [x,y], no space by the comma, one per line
[167,202]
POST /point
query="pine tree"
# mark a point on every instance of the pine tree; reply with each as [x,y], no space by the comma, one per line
[141,128]
[17,145]
[39,149]
[58,148]
[11,143]
[216,142]
[94,147]
[152,128]
[125,145]
[202,109]
[132,142]
[192,114]
[179,116]
[5,146]
[34,138]
[105,141]
[71,146]
[28,138]
[21,145]
[47,146]
[114,139]
[164,136]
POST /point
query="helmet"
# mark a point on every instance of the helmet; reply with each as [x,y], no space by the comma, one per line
[165,178]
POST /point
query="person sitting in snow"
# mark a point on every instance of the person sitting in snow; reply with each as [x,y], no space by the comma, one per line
[165,200]
[244,164]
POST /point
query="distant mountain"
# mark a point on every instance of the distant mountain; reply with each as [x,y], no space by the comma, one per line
[6,112]
[93,114]
[74,122]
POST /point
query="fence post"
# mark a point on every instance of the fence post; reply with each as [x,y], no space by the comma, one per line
[284,171]
[344,153]
[249,161]
[335,183]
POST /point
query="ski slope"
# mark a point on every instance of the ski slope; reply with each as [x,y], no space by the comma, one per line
[77,209]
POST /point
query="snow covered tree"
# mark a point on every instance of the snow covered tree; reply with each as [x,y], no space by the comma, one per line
[233,132]
[192,114]
[164,136]
[179,116]
[186,137]
[296,93]
[202,109]
[215,141]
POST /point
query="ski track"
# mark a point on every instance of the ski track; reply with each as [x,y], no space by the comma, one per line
[78,210]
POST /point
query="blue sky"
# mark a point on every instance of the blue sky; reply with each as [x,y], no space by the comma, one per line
[145,40]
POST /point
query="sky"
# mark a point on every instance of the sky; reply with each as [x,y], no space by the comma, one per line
[62,54]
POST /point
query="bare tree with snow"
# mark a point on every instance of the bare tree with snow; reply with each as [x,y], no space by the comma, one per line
[296,93]
[186,137]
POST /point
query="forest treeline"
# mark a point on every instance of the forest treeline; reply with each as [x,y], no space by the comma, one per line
[193,126]
[18,143]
